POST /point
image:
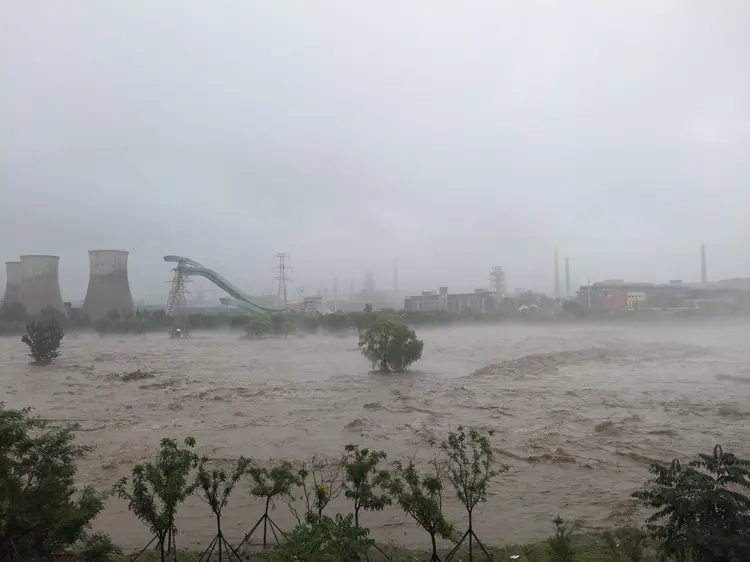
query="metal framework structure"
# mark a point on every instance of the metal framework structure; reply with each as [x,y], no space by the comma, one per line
[281,278]
[178,291]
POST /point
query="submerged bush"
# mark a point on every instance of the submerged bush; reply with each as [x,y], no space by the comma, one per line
[391,346]
[43,338]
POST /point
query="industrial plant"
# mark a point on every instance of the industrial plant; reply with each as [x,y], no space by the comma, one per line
[34,283]
[108,288]
[40,287]
[12,283]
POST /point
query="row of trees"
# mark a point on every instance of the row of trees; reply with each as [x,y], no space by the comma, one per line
[389,346]
[701,510]
[257,325]
[13,317]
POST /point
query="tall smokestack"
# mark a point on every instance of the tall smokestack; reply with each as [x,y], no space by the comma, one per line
[557,275]
[704,267]
[40,286]
[395,278]
[567,278]
[12,283]
[108,284]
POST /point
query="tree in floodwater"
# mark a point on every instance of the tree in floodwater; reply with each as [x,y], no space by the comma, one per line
[391,346]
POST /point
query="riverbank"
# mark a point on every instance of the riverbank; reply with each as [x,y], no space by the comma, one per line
[587,547]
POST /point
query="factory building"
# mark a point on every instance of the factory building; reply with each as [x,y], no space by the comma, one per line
[480,301]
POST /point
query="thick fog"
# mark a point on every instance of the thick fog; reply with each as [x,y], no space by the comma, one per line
[444,136]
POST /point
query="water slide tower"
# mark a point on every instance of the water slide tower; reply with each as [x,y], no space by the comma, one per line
[12,283]
[108,288]
[40,286]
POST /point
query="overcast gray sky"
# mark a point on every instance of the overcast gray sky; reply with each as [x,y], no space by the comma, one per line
[447,136]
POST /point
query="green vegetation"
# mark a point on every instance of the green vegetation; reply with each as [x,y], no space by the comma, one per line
[258,326]
[43,337]
[702,509]
[158,488]
[470,467]
[391,346]
[41,512]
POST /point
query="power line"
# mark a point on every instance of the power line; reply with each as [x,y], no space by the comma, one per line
[281,278]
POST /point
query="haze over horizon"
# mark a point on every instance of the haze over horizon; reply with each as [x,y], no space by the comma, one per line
[351,135]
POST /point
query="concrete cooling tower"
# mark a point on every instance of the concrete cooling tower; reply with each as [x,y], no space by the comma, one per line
[12,282]
[108,284]
[40,286]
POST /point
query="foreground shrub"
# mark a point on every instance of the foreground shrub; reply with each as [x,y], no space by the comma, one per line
[470,467]
[41,512]
[391,346]
[216,487]
[702,509]
[43,338]
[270,484]
[324,538]
[365,484]
[421,497]
[157,489]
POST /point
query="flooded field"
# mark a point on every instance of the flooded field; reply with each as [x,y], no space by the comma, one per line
[578,411]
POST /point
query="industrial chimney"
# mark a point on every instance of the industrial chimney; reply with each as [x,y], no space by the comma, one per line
[12,283]
[704,267]
[109,288]
[557,275]
[40,287]
[568,294]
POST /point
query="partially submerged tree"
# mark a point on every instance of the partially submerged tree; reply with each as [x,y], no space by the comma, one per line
[42,513]
[702,509]
[258,326]
[43,337]
[390,346]
[158,488]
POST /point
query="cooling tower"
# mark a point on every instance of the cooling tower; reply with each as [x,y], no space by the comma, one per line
[12,282]
[40,287]
[108,284]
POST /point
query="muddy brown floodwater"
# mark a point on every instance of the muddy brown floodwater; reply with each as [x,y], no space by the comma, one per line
[579,411]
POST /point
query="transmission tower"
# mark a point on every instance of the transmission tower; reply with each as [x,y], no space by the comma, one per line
[178,291]
[281,278]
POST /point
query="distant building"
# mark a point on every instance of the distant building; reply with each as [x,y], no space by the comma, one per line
[616,294]
[481,301]
[636,300]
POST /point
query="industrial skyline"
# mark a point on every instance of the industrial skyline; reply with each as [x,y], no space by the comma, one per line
[34,281]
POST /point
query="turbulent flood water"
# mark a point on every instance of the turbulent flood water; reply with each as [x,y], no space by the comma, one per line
[579,412]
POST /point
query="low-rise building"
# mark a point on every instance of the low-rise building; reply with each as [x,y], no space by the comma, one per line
[481,301]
